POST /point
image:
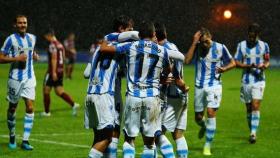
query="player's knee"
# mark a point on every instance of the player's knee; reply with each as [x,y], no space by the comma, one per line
[12,108]
[106,133]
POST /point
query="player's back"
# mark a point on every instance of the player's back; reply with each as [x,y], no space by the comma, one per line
[56,47]
[145,61]
[103,73]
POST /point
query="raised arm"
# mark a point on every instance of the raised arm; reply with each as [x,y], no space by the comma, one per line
[190,53]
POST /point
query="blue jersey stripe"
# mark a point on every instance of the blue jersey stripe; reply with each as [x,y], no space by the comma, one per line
[248,62]
[151,71]
[202,74]
[258,52]
[140,50]
[93,68]
[29,65]
[8,46]
[20,71]
[112,77]
[213,64]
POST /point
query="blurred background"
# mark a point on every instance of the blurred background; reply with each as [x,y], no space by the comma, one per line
[87,18]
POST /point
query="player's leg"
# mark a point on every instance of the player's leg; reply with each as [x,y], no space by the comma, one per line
[150,116]
[210,130]
[255,119]
[163,144]
[59,91]
[11,122]
[47,100]
[47,87]
[246,97]
[181,125]
[111,151]
[181,143]
[213,97]
[14,90]
[199,103]
[28,124]
[100,118]
[132,119]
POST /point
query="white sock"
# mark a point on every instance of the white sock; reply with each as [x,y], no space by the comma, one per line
[111,151]
[128,150]
[148,152]
[182,147]
[210,130]
[28,124]
[166,147]
[95,153]
[255,121]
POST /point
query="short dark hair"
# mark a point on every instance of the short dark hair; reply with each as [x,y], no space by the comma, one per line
[160,31]
[123,21]
[146,30]
[255,28]
[19,16]
[205,31]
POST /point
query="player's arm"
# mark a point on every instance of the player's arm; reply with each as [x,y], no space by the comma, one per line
[128,35]
[87,71]
[189,55]
[227,60]
[120,48]
[173,54]
[5,50]
[6,59]
[266,58]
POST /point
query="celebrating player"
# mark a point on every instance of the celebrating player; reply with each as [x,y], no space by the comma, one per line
[175,114]
[18,49]
[211,60]
[252,56]
[54,75]
[145,62]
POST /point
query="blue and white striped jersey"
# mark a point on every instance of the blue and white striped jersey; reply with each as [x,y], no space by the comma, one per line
[177,71]
[255,55]
[15,45]
[205,67]
[145,61]
[103,74]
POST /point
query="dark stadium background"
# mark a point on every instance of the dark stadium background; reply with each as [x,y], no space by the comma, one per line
[87,18]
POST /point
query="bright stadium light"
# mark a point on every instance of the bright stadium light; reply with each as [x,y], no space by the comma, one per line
[227,14]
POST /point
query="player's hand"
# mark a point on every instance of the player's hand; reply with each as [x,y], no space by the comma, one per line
[220,69]
[21,57]
[54,77]
[196,37]
[36,56]
[261,66]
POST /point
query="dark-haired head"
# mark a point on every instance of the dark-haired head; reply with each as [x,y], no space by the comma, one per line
[147,30]
[254,31]
[123,23]
[160,31]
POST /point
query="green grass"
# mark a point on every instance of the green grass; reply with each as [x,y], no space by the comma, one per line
[230,140]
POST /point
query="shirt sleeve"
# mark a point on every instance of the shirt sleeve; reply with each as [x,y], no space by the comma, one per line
[111,37]
[7,46]
[267,52]
[128,35]
[238,55]
[123,47]
[173,54]
[226,57]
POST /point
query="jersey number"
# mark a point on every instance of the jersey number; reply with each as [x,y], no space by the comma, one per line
[153,62]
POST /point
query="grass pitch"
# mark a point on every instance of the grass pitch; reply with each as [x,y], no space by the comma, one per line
[63,136]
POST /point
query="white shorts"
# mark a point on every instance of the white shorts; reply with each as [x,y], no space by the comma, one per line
[17,89]
[248,92]
[209,97]
[175,115]
[142,113]
[99,111]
